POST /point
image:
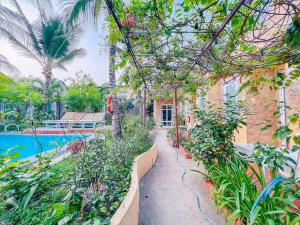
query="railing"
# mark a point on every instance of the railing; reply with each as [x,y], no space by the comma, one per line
[10,125]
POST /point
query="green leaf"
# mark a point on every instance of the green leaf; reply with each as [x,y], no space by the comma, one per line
[294,118]
[58,209]
[270,222]
[266,127]
[103,210]
[296,139]
[29,196]
[14,155]
[233,216]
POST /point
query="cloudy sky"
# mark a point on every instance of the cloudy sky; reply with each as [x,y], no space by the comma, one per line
[94,63]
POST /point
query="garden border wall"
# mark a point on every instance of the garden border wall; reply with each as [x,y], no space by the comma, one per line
[128,212]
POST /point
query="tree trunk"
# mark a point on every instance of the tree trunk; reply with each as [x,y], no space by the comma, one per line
[139,105]
[48,76]
[116,123]
[144,107]
[176,119]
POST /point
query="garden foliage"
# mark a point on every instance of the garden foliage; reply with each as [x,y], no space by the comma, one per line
[86,188]
[211,139]
[238,180]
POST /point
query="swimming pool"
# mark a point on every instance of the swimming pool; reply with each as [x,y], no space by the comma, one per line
[29,145]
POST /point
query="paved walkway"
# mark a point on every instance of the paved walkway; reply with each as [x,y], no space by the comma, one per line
[165,200]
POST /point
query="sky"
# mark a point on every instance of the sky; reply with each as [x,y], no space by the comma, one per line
[95,63]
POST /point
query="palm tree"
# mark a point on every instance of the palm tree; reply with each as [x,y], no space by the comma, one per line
[116,124]
[48,41]
[6,66]
[89,10]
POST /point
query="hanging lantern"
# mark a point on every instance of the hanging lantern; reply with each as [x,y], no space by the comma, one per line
[188,119]
[109,104]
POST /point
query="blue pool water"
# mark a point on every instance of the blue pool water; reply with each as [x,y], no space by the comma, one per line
[29,145]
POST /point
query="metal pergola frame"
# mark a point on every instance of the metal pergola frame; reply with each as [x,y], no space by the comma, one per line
[181,68]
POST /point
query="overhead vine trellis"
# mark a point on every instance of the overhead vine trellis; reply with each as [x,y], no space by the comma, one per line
[178,36]
[173,43]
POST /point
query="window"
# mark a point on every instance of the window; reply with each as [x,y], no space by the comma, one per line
[200,99]
[166,115]
[230,91]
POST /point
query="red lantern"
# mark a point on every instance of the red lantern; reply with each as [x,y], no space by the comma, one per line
[109,104]
[189,119]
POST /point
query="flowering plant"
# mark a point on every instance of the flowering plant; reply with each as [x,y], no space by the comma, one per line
[76,146]
[211,139]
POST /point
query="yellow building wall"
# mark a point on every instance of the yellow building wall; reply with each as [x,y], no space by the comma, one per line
[157,112]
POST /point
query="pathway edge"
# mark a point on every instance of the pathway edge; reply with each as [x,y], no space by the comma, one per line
[128,212]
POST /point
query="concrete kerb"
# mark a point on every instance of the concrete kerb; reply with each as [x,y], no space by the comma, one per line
[128,212]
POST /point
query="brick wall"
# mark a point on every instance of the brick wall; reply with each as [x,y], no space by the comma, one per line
[261,106]
[214,94]
[293,101]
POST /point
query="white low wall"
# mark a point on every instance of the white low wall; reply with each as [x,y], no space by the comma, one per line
[128,212]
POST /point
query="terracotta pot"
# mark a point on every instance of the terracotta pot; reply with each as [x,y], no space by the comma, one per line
[186,154]
[209,187]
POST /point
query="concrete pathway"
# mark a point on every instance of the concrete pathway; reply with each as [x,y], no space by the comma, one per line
[166,200]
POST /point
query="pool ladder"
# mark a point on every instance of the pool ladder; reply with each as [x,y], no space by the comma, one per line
[9,125]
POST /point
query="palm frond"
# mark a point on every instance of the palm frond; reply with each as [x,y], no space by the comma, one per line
[59,65]
[27,24]
[83,10]
[10,15]
[24,47]
[74,34]
[44,7]
[14,29]
[71,55]
[6,66]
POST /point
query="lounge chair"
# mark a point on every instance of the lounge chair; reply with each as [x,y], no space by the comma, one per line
[75,120]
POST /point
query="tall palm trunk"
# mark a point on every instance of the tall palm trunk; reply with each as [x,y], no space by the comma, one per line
[139,105]
[48,76]
[116,123]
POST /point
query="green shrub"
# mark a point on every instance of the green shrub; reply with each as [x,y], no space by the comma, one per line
[171,134]
[87,187]
[211,139]
[237,183]
[102,174]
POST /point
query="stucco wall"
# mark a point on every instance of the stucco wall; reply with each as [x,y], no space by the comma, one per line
[156,109]
[128,212]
